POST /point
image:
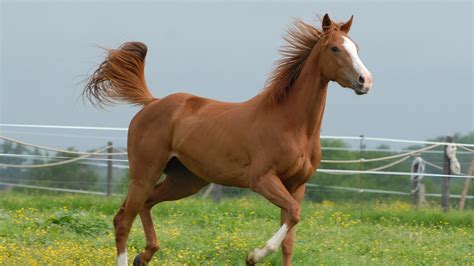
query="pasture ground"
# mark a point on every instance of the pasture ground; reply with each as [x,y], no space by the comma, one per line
[63,229]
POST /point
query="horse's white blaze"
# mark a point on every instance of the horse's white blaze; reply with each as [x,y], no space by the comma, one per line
[272,244]
[351,48]
[122,259]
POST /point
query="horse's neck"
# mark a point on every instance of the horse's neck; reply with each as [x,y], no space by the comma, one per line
[306,101]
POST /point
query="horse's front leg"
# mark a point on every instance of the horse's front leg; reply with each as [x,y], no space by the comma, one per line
[287,244]
[271,187]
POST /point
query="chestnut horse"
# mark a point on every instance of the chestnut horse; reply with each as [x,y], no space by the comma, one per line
[270,143]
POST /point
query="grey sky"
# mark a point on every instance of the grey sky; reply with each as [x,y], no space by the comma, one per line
[420,55]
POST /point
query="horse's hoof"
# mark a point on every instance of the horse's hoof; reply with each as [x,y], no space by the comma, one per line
[249,262]
[137,261]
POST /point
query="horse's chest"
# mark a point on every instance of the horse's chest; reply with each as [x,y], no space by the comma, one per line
[298,165]
[300,170]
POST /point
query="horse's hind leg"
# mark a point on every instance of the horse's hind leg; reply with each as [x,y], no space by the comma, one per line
[143,180]
[178,184]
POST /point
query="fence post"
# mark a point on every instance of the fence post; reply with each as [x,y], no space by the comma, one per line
[359,182]
[421,195]
[466,186]
[446,180]
[109,168]
[217,193]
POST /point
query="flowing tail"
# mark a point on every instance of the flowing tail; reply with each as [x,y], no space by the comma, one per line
[120,78]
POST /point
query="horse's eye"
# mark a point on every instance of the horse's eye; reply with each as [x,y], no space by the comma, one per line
[334,49]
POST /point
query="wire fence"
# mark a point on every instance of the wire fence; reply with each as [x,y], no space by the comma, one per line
[104,156]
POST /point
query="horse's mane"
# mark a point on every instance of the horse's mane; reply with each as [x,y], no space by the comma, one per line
[301,38]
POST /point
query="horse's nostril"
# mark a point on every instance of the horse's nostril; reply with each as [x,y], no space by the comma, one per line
[361,79]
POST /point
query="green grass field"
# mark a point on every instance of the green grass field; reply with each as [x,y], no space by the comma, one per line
[63,229]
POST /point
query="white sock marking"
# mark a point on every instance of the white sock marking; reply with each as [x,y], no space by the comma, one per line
[271,246]
[122,259]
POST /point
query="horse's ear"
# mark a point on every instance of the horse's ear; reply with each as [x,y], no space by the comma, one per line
[347,26]
[327,23]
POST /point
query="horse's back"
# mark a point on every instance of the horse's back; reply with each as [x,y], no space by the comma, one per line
[174,116]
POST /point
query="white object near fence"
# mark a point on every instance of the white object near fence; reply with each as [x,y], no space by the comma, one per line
[454,164]
[418,192]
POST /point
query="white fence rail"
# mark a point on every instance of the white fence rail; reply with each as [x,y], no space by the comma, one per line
[311,185]
[322,137]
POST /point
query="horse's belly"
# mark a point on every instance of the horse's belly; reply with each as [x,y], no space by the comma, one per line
[216,169]
[213,149]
